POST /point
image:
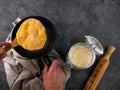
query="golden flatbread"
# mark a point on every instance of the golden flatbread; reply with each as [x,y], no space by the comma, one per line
[31,35]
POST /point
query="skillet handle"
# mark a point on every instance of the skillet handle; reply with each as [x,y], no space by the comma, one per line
[47,60]
[16,21]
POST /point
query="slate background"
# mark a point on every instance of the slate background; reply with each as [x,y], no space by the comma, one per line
[73,20]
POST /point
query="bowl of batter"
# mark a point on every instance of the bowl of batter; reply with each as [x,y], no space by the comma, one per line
[83,55]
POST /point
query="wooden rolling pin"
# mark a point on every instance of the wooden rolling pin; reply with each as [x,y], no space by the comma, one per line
[99,70]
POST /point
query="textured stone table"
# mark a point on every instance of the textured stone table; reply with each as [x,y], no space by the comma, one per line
[73,20]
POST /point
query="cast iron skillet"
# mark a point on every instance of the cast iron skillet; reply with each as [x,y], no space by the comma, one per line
[51,35]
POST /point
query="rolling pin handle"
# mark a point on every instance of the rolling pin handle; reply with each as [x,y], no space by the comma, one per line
[111,49]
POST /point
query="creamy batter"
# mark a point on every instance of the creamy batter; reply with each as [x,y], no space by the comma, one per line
[80,56]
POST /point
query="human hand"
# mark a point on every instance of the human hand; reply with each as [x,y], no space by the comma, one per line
[2,55]
[53,77]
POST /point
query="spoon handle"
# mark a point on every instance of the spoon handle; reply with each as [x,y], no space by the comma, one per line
[5,48]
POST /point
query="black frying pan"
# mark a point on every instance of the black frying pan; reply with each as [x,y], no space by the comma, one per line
[51,35]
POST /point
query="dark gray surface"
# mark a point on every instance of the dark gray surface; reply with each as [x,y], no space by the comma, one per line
[73,20]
